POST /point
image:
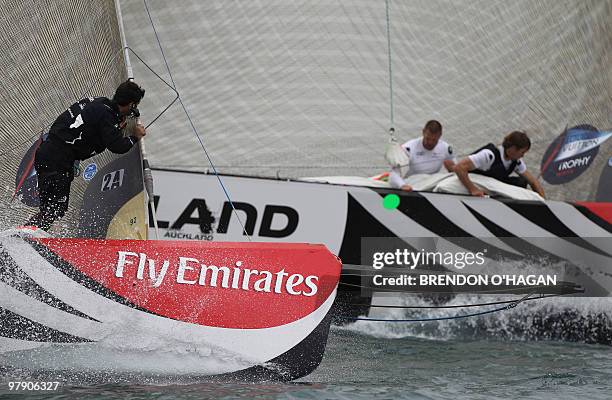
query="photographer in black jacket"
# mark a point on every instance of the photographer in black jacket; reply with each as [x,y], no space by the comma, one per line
[87,128]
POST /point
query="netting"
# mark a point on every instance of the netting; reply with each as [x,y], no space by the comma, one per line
[53,53]
[301,88]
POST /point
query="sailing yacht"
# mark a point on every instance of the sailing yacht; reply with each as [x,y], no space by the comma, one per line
[282,93]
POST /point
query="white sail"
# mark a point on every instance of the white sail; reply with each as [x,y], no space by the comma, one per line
[301,88]
[53,54]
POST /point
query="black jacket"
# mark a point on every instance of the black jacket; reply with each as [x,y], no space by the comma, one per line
[497,170]
[88,127]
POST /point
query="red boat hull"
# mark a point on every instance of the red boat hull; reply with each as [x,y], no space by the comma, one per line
[264,306]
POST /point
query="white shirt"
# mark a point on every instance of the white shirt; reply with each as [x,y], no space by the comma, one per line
[422,161]
[483,160]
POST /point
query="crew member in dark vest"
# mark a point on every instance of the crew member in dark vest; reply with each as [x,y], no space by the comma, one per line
[499,162]
[86,128]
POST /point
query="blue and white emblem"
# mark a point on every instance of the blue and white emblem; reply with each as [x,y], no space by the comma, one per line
[90,171]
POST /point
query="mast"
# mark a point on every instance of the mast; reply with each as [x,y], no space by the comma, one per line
[147,175]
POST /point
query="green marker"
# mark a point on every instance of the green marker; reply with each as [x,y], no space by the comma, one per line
[391,201]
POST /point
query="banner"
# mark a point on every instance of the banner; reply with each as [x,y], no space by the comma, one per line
[572,153]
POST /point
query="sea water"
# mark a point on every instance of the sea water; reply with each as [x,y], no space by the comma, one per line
[497,356]
[362,364]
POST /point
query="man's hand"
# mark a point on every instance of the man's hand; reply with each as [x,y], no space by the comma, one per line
[534,183]
[139,131]
[461,169]
[477,192]
[406,188]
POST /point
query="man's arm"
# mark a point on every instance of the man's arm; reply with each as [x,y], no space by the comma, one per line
[461,169]
[534,183]
[450,160]
[397,182]
[116,142]
[449,165]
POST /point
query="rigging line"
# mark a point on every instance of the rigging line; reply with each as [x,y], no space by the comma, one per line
[428,319]
[161,79]
[390,70]
[492,303]
[195,131]
[476,314]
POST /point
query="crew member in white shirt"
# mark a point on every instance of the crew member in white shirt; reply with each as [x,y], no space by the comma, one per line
[427,156]
[499,162]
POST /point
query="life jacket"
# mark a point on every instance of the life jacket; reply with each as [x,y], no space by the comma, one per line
[497,170]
